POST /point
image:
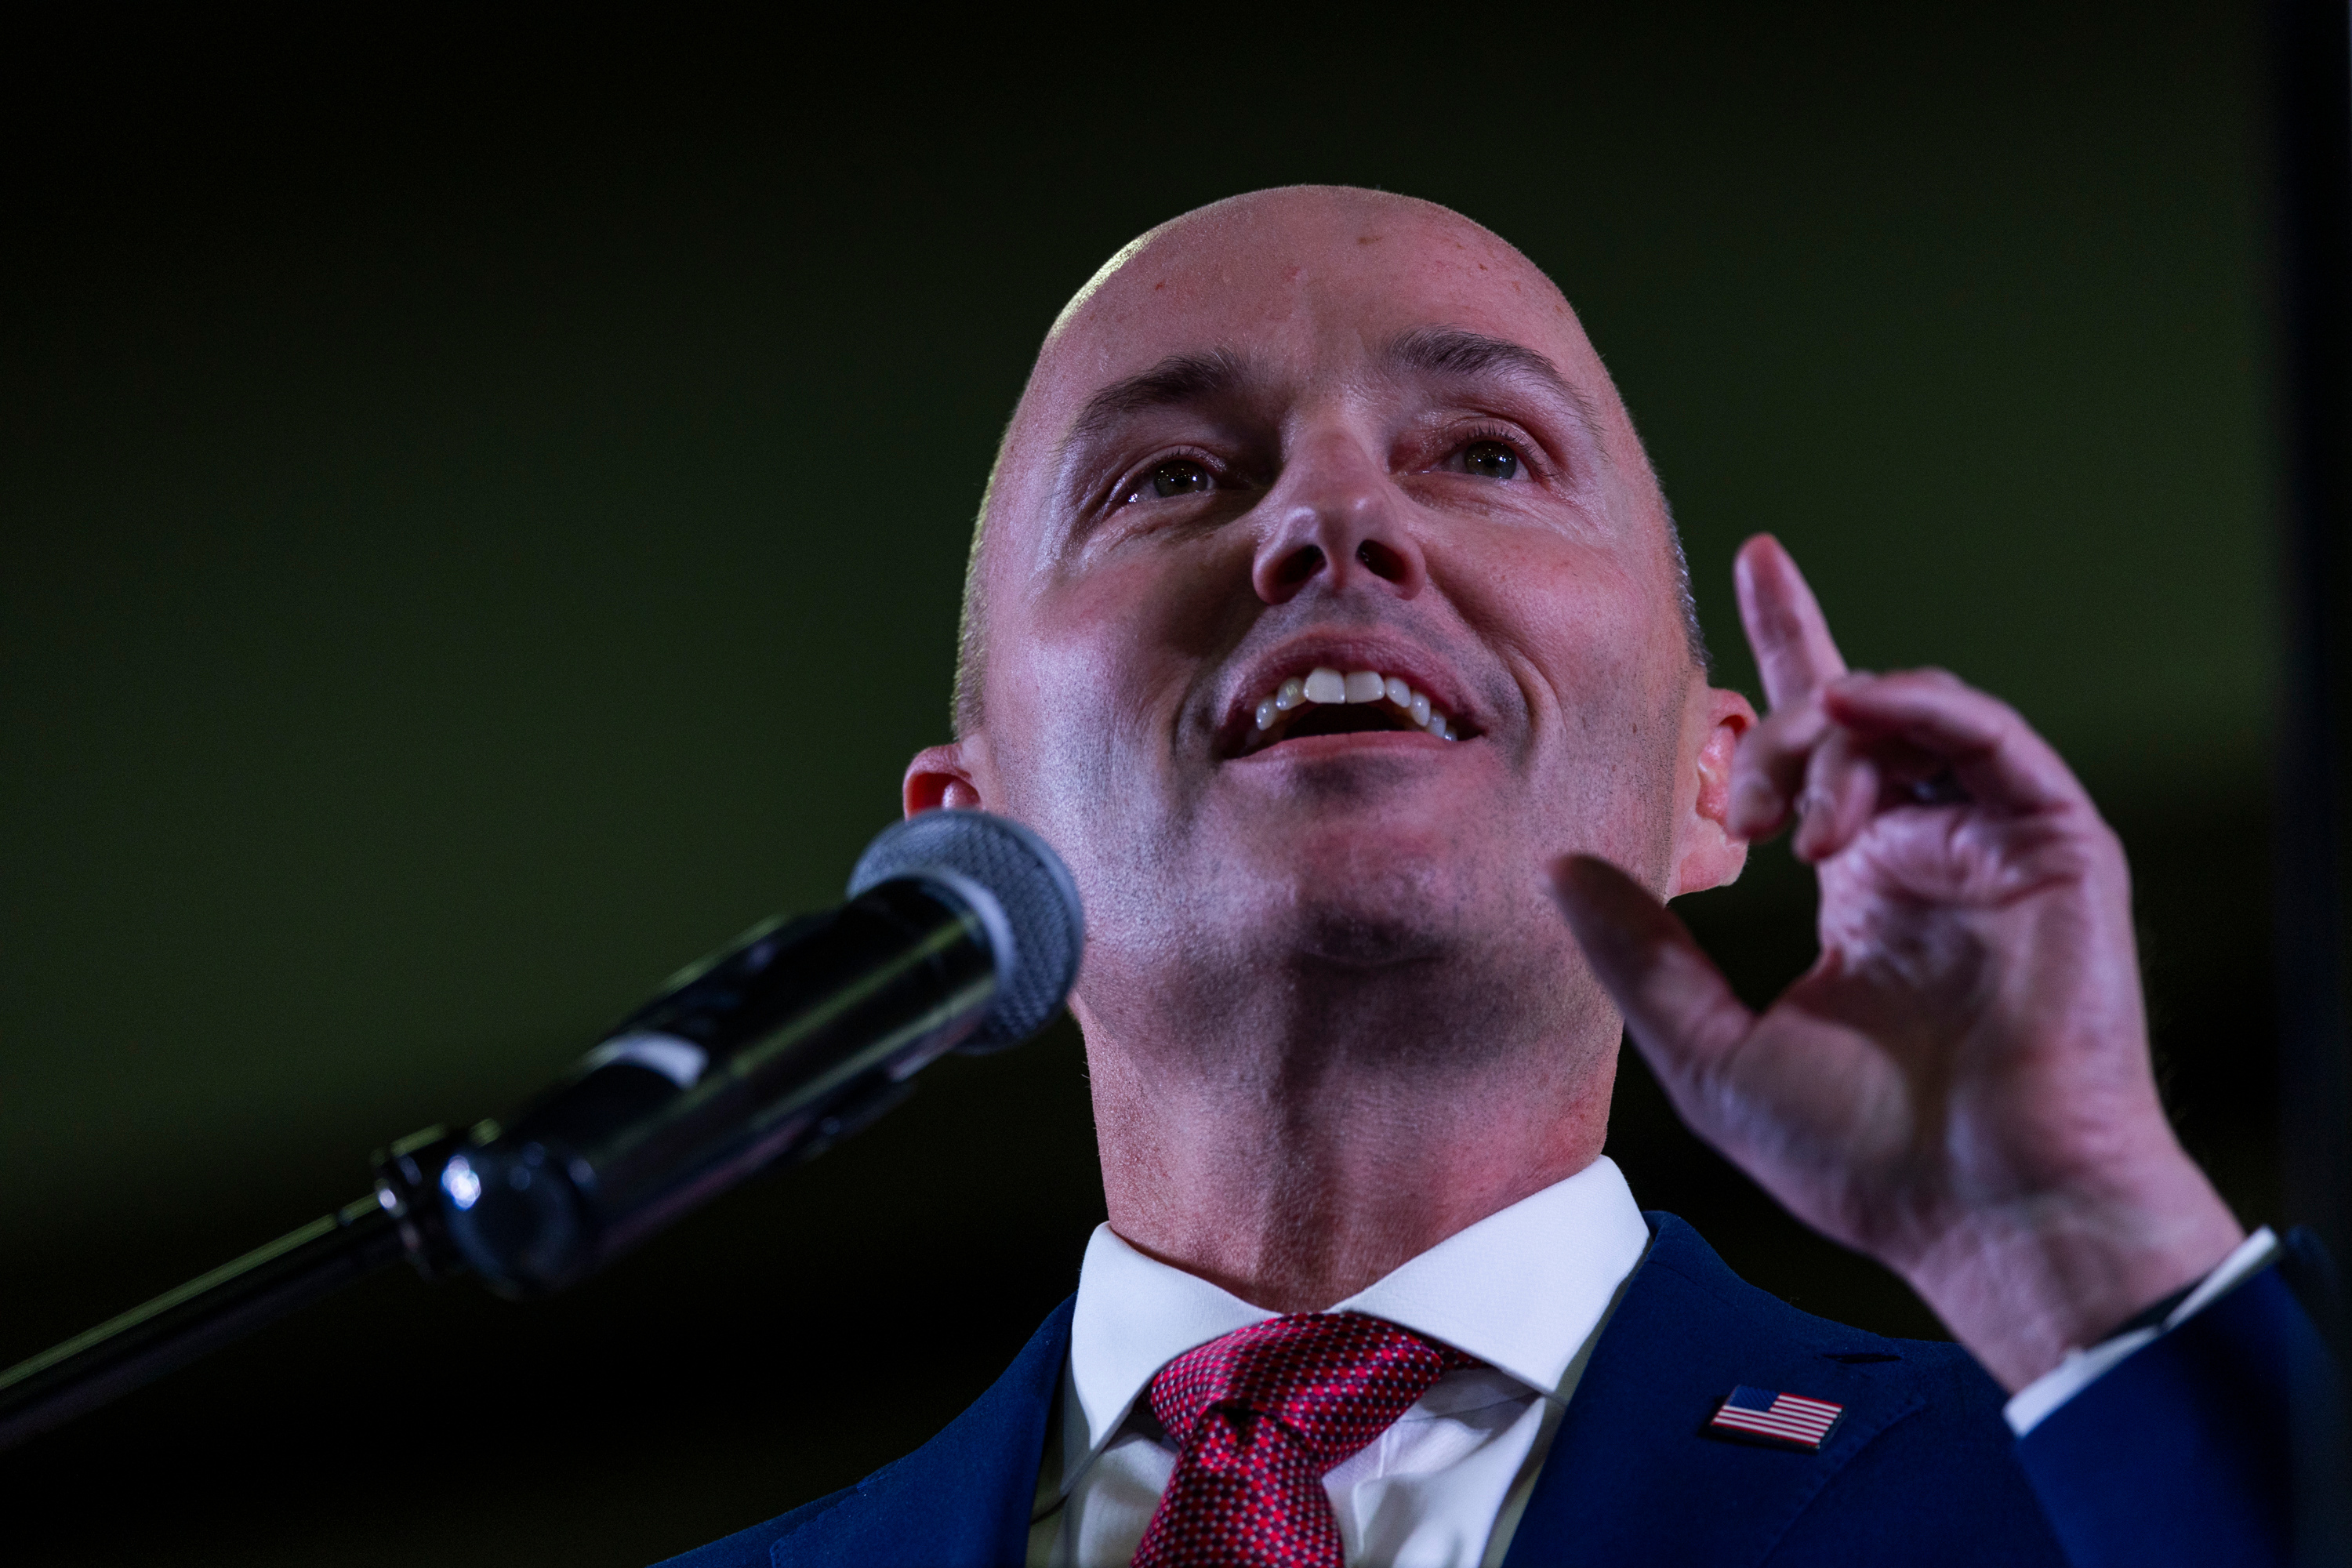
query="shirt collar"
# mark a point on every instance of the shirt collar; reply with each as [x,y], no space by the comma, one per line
[1521,1289]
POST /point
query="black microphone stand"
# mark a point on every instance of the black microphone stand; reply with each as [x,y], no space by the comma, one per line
[397,1220]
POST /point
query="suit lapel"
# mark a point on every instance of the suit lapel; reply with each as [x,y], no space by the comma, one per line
[1632,1478]
[961,1500]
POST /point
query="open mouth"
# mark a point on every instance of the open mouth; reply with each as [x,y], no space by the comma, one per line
[1327,701]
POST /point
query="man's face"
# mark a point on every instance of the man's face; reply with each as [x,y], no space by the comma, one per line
[1328,431]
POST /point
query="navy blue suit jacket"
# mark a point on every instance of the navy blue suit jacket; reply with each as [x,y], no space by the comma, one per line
[1922,1469]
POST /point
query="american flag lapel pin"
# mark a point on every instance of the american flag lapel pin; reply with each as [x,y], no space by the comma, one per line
[1781,1420]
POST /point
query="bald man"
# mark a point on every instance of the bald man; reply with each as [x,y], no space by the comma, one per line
[1326,615]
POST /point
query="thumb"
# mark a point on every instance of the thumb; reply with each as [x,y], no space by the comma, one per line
[1678,1008]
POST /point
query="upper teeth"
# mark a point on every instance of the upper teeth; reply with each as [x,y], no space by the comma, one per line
[1323,684]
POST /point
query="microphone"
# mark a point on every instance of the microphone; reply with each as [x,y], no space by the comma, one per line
[962,932]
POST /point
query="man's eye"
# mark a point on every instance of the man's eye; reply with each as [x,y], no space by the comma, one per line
[1176,476]
[1490,460]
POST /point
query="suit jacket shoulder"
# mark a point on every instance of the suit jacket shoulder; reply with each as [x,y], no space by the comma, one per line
[1921,1470]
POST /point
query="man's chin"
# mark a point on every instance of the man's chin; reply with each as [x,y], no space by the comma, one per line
[1352,895]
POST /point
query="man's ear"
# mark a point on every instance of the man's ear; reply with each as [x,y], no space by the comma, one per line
[1708,855]
[939,776]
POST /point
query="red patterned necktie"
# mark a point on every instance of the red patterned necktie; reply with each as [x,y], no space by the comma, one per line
[1258,1417]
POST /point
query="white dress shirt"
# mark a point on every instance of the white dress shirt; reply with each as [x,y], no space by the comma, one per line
[1525,1290]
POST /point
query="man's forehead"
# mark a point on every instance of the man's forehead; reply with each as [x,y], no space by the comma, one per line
[1302,281]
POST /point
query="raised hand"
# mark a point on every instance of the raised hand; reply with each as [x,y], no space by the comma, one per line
[1961,1085]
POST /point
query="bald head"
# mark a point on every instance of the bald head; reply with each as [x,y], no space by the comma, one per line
[1202,296]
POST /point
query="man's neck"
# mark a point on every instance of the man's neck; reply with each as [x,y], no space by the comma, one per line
[1297,1173]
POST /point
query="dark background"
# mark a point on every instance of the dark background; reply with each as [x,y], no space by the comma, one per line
[481,513]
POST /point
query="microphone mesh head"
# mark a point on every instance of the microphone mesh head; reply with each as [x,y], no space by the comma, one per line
[1031,888]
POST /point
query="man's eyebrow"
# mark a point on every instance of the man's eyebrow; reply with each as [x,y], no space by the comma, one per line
[1176,380]
[1452,351]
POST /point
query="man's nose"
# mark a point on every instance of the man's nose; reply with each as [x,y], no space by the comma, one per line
[1334,524]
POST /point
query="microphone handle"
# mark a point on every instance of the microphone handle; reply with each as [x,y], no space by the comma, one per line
[789,1039]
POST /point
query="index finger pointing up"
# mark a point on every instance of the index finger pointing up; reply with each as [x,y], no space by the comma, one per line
[1794,651]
